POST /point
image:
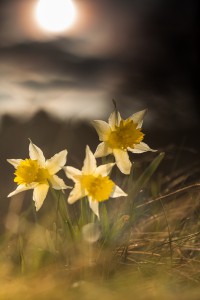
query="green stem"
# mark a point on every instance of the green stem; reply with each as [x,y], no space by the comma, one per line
[62,212]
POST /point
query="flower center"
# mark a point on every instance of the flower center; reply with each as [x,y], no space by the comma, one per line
[125,135]
[99,188]
[29,171]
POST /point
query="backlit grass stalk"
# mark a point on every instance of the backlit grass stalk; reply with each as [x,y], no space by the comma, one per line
[62,214]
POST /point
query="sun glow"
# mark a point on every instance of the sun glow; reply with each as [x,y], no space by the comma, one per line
[55,15]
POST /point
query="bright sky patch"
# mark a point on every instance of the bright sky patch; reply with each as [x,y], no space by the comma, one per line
[55,15]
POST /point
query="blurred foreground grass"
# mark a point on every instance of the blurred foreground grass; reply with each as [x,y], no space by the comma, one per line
[129,284]
[149,247]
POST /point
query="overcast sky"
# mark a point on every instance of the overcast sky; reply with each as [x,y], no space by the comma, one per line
[143,53]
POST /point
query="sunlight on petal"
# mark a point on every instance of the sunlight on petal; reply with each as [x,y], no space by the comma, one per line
[89,165]
[76,194]
[94,205]
[39,194]
[122,161]
[138,117]
[140,148]
[118,192]
[36,153]
[14,162]
[104,170]
[114,119]
[21,188]
[57,162]
[102,128]
[58,183]
[102,150]
[72,173]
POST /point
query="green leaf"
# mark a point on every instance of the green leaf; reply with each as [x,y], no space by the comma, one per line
[145,177]
[136,188]
[104,219]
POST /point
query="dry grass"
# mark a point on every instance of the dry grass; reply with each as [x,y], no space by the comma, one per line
[158,256]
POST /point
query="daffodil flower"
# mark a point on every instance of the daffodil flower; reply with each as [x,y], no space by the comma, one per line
[119,136]
[38,174]
[93,182]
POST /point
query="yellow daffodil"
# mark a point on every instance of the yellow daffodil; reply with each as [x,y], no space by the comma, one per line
[93,182]
[38,174]
[119,136]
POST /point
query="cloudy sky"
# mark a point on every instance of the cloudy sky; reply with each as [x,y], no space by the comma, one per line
[142,53]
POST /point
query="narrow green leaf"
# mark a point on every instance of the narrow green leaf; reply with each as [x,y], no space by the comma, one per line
[145,177]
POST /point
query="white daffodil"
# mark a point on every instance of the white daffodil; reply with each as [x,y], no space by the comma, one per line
[38,174]
[119,136]
[93,182]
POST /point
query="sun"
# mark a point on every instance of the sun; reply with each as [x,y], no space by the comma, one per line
[55,15]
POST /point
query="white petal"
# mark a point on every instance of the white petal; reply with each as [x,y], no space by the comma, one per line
[55,163]
[72,173]
[104,170]
[57,183]
[138,117]
[140,148]
[114,119]
[14,162]
[76,194]
[94,205]
[36,153]
[89,165]
[102,128]
[39,194]
[21,188]
[102,150]
[118,192]
[122,160]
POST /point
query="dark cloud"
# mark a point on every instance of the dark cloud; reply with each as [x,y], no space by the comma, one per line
[66,69]
[144,50]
